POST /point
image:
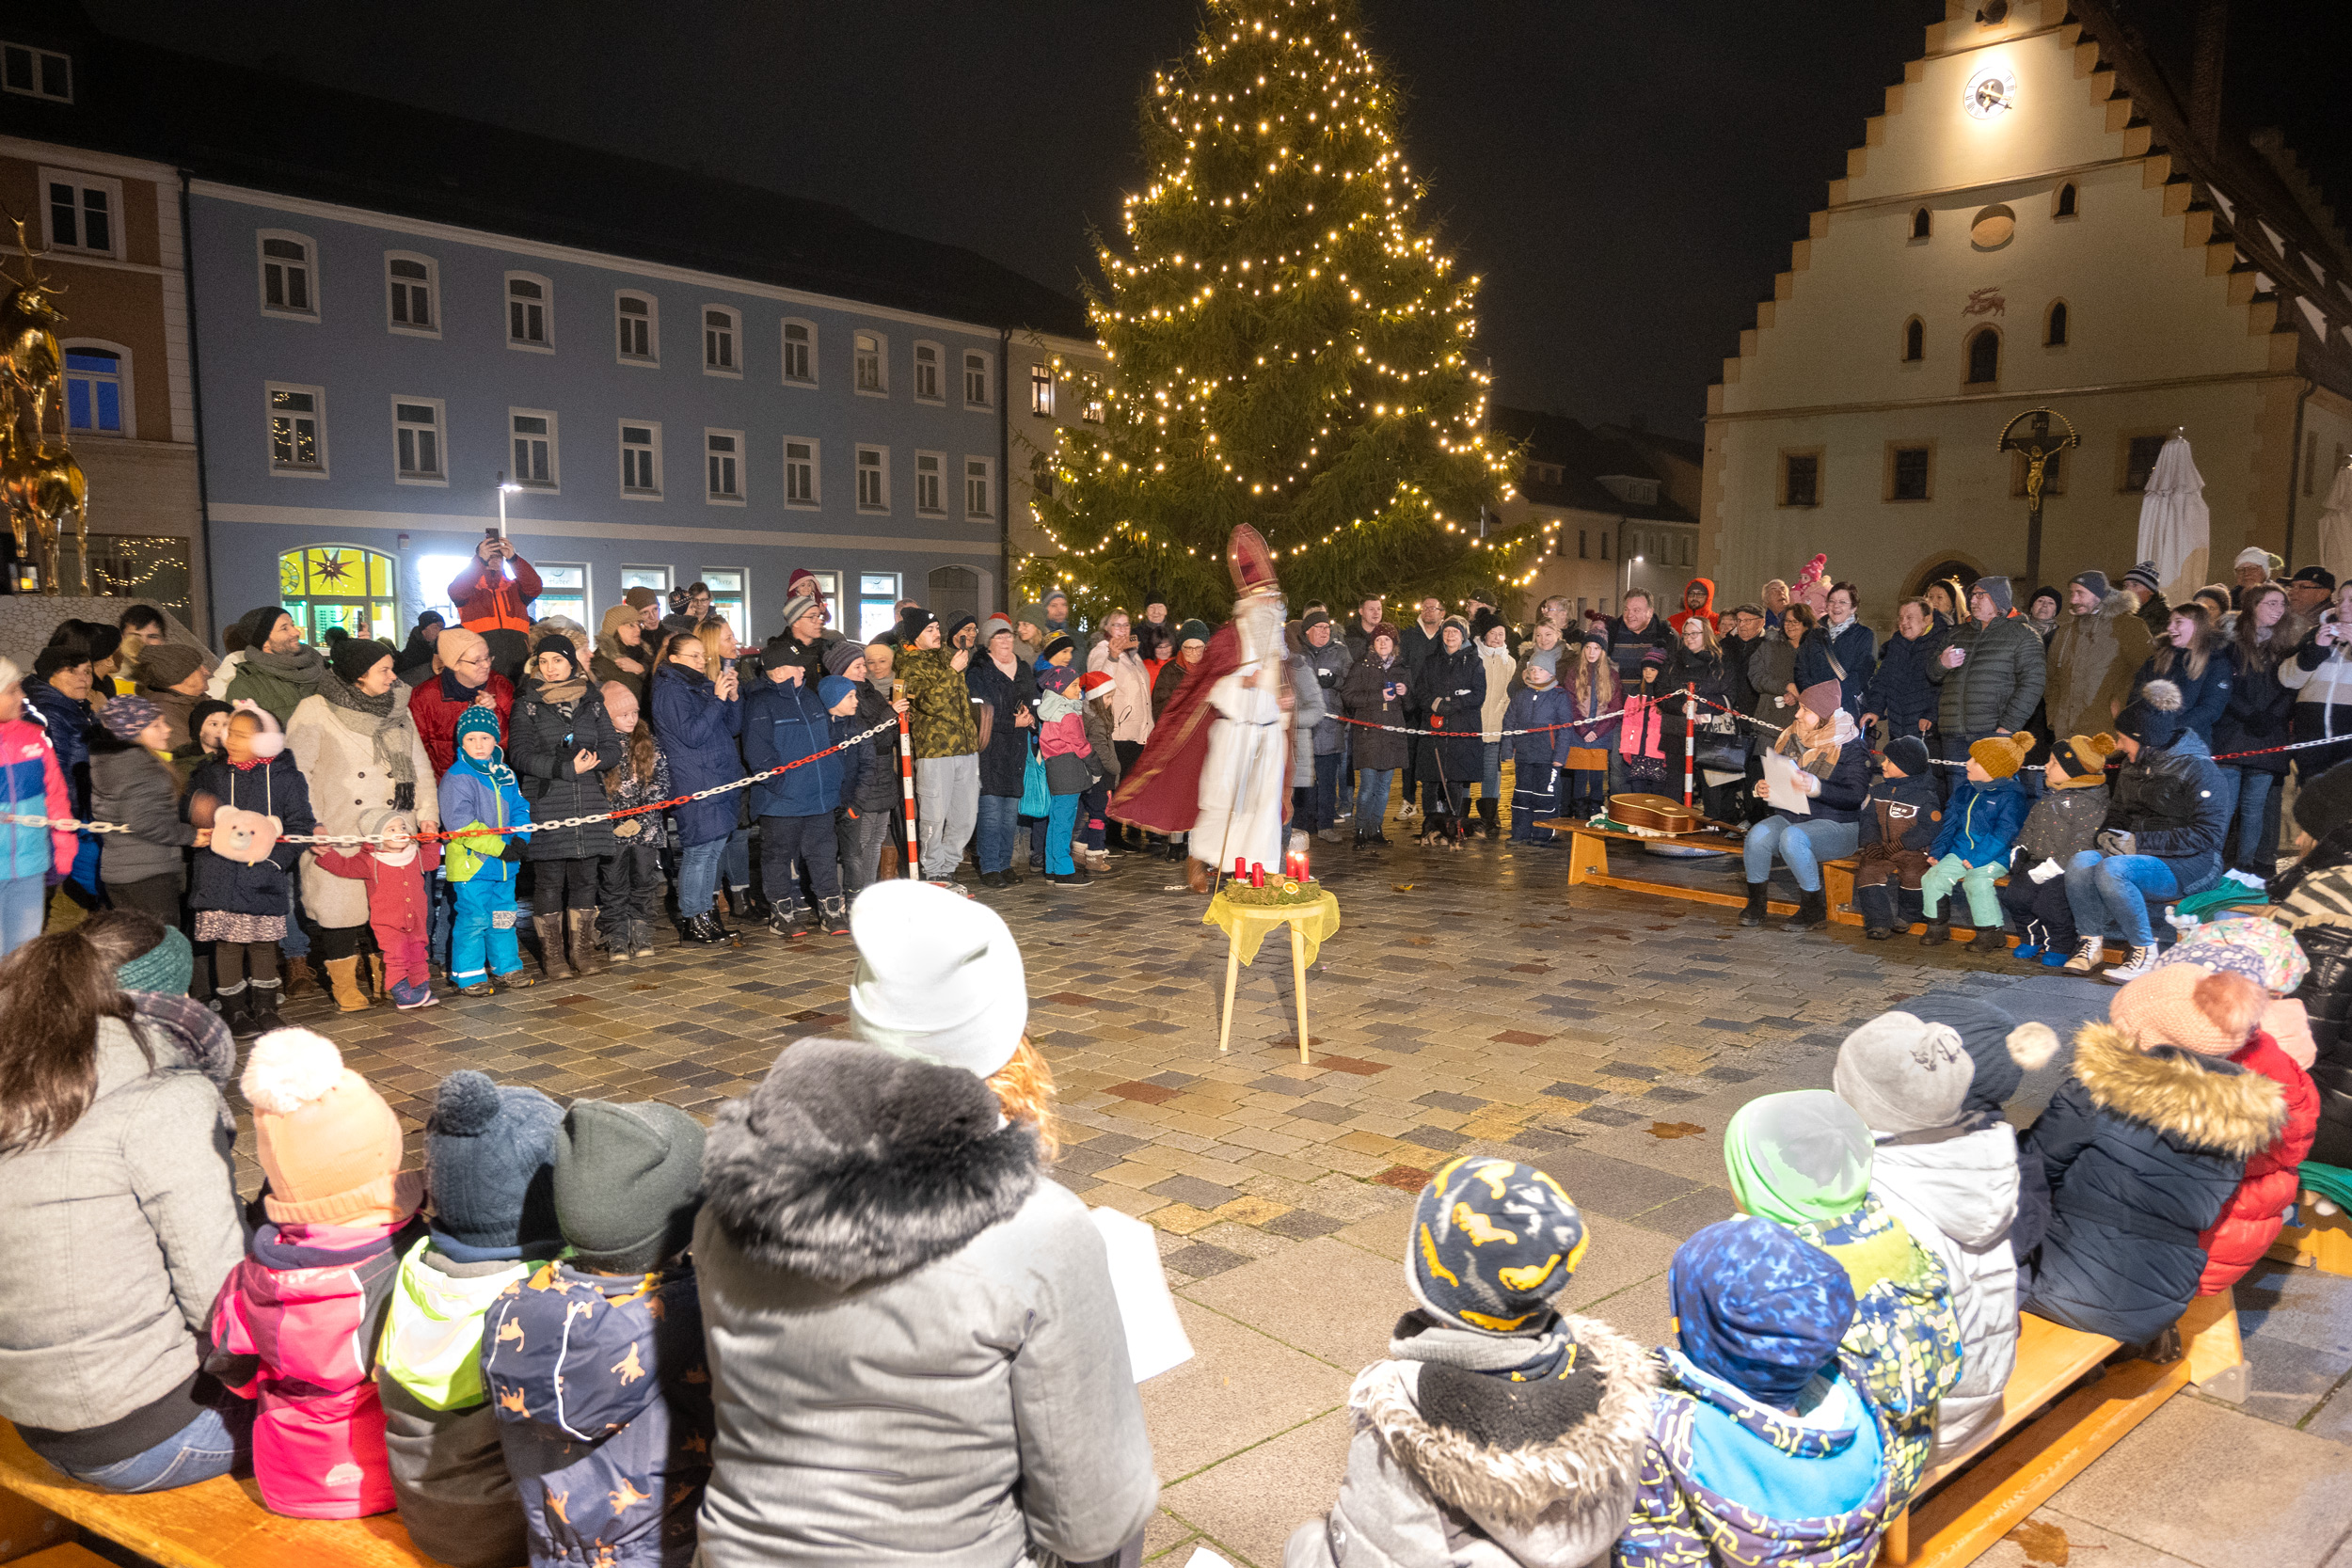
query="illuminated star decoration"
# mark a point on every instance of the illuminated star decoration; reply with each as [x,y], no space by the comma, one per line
[333,568]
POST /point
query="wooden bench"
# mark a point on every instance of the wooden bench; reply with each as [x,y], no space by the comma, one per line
[1837,880]
[2051,1430]
[215,1524]
[2324,1243]
[1588,863]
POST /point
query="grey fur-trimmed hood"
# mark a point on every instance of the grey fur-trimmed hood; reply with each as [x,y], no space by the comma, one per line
[849,1165]
[1587,1472]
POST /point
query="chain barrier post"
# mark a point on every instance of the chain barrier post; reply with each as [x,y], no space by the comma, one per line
[906,790]
[1689,745]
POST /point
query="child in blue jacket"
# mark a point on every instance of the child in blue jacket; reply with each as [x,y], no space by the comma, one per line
[1536,759]
[1981,823]
[787,720]
[480,791]
[595,1364]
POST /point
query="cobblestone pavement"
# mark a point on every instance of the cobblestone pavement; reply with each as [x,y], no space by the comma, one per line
[1470,1003]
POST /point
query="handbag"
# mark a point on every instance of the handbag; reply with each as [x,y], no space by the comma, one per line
[1035,798]
[1720,745]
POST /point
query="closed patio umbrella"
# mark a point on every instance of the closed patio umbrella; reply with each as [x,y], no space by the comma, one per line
[2175,525]
[2335,527]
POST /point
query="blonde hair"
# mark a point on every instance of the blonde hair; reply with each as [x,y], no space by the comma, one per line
[1024,1091]
[708,634]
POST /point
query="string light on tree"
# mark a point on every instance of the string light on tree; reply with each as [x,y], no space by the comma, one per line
[1288,345]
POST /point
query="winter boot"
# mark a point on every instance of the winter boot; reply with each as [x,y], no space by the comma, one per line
[837,917]
[2086,959]
[264,1017]
[375,976]
[549,930]
[1939,932]
[1812,911]
[1989,939]
[580,942]
[342,978]
[1876,906]
[2033,939]
[1755,911]
[299,976]
[784,920]
[236,1010]
[641,938]
[1490,813]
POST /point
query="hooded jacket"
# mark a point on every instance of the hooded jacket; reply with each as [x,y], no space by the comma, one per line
[2142,1152]
[942,719]
[274,788]
[2061,825]
[2090,661]
[915,1354]
[482,795]
[32,784]
[2203,698]
[2170,802]
[1450,691]
[490,600]
[2257,717]
[604,664]
[698,733]
[1901,814]
[1706,611]
[1487,1473]
[1955,1190]
[786,721]
[1901,690]
[130,785]
[2256,1212]
[1980,821]
[1364,693]
[1998,685]
[1543,747]
[601,1393]
[541,742]
[1330,663]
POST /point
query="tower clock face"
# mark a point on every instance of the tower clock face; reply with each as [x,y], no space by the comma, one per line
[1990,93]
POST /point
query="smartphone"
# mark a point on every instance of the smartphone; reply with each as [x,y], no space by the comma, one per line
[489,533]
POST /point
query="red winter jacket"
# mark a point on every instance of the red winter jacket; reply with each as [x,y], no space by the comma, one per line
[2252,1219]
[487,601]
[436,704]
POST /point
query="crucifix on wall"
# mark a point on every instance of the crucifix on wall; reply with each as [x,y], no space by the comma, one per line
[2039,448]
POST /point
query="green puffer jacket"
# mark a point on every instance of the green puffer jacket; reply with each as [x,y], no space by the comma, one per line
[941,718]
[1999,684]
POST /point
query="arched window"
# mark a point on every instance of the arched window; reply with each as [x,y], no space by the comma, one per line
[2053,330]
[97,389]
[2064,206]
[1984,357]
[1915,341]
[339,585]
[1920,224]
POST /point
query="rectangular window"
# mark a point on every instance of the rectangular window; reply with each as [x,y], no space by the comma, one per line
[872,381]
[640,318]
[718,329]
[722,453]
[417,441]
[2139,456]
[727,598]
[800,353]
[979,487]
[287,264]
[655,577]
[527,309]
[800,472]
[977,383]
[929,480]
[1580,554]
[93,391]
[37,73]
[873,479]
[408,295]
[533,442]
[927,373]
[1801,478]
[1042,390]
[1093,412]
[563,590]
[1907,473]
[640,460]
[1604,544]
[298,430]
[877,603]
[85,212]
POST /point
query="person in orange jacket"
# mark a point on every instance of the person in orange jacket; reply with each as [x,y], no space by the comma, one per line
[493,597]
[1698,598]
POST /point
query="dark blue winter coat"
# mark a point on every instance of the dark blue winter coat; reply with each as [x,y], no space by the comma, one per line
[1531,709]
[698,731]
[602,1392]
[1900,692]
[2141,1149]
[1450,691]
[1914,812]
[1856,651]
[1981,821]
[275,788]
[2255,720]
[2203,698]
[783,722]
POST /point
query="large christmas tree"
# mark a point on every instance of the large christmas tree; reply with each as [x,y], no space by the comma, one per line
[1290,346]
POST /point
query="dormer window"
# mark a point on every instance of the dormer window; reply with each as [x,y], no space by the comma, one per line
[37,73]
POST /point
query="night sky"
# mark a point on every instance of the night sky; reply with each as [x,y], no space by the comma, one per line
[1627,178]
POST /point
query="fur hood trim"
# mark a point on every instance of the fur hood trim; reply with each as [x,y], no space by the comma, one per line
[1589,1468]
[849,1165]
[2203,1103]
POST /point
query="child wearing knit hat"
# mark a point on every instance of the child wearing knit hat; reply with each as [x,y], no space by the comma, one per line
[1900,820]
[289,1328]
[480,792]
[595,1364]
[1542,712]
[1500,1429]
[395,872]
[489,1161]
[242,908]
[1981,823]
[2063,823]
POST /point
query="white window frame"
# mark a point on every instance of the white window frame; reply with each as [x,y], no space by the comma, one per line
[80,181]
[734,330]
[740,597]
[264,263]
[986,475]
[1042,379]
[130,430]
[988,378]
[938,492]
[318,413]
[651,360]
[432,293]
[816,497]
[550,591]
[937,397]
[33,58]
[555,484]
[665,574]
[626,446]
[546,344]
[882,363]
[784,338]
[742,474]
[880,468]
[440,439]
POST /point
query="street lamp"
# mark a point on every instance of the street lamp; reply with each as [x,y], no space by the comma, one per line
[505,487]
[1630,562]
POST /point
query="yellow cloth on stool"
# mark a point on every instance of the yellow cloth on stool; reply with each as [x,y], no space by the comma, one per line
[1247,925]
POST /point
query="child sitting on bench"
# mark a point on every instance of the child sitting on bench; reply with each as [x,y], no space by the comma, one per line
[1899,824]
[1981,823]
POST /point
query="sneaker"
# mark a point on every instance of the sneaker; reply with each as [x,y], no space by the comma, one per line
[1073,879]
[408,995]
[2137,962]
[1407,812]
[951,885]
[2026,952]
[2053,959]
[2086,956]
[479,988]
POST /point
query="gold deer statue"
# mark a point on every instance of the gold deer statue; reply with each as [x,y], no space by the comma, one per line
[40,484]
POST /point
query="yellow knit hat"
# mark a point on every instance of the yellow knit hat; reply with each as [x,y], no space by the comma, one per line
[2000,755]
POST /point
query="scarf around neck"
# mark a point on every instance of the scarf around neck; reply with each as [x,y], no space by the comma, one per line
[382,719]
[302,667]
[1519,1358]
[563,693]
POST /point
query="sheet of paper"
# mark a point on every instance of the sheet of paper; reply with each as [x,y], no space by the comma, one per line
[1203,1557]
[1779,779]
[1155,1336]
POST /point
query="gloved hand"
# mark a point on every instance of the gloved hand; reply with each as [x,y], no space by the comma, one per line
[2046,870]
[513,850]
[2113,841]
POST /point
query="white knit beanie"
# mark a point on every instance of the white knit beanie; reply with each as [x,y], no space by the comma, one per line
[939,978]
[1903,1074]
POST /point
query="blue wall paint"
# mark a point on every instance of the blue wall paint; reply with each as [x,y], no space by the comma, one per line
[362,365]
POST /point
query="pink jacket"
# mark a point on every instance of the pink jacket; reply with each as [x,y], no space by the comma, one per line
[294,1327]
[396,897]
[31,784]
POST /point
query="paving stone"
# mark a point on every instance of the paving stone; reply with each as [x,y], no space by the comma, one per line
[1303,1225]
[1192,1190]
[1203,1262]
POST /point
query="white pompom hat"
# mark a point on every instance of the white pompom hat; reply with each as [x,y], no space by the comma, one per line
[939,978]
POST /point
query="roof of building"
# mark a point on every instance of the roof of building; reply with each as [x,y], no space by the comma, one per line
[1584,457]
[280,133]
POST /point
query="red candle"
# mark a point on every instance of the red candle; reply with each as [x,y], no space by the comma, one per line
[1241,867]
[1256,876]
